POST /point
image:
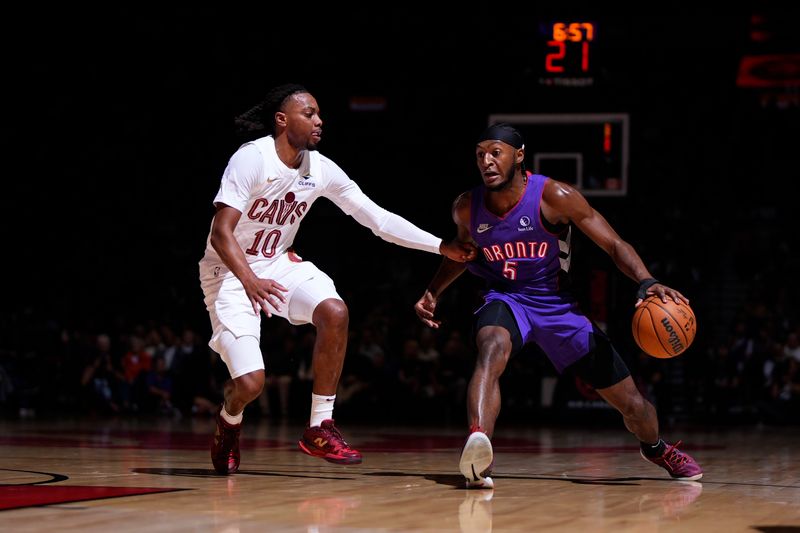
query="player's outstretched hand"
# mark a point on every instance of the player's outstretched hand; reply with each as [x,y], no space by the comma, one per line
[458,250]
[425,307]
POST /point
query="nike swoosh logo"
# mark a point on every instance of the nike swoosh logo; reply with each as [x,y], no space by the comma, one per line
[481,229]
[270,180]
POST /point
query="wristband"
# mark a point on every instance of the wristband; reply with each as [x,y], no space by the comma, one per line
[645,284]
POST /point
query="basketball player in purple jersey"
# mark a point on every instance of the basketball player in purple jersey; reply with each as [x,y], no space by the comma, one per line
[268,186]
[521,224]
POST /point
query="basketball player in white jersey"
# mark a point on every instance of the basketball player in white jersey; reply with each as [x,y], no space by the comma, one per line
[248,267]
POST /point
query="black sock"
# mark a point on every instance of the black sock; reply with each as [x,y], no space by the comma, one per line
[653,450]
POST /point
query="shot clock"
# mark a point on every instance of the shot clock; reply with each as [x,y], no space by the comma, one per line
[568,59]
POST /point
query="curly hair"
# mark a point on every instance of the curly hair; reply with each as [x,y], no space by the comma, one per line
[261,116]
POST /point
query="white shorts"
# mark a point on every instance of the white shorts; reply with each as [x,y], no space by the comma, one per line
[231,310]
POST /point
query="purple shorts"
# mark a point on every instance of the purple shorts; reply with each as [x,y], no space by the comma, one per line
[553,321]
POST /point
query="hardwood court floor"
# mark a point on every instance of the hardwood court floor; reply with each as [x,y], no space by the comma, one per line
[155,475]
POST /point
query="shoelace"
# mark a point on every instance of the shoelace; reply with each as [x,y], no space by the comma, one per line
[673,455]
[234,439]
[338,441]
[229,436]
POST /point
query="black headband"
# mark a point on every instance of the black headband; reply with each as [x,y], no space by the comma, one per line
[502,132]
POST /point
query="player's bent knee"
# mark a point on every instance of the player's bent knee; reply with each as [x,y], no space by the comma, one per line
[249,386]
[494,350]
[331,313]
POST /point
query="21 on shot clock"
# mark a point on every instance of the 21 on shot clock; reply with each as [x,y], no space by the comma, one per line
[569,51]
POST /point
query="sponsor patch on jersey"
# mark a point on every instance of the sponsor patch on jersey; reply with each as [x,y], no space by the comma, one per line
[305,182]
[524,224]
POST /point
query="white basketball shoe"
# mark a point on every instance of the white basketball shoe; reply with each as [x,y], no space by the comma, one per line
[477,460]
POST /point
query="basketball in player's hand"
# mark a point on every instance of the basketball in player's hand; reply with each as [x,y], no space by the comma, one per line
[663,330]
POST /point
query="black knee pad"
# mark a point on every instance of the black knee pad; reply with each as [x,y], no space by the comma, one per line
[602,367]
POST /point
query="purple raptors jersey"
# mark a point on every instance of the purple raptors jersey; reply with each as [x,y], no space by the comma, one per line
[514,251]
[523,264]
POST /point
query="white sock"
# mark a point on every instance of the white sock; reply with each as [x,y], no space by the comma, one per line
[230,419]
[321,408]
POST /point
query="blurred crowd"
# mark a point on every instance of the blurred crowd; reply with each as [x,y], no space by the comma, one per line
[742,368]
[156,368]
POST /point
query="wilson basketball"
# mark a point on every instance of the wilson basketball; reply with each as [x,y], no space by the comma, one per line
[663,330]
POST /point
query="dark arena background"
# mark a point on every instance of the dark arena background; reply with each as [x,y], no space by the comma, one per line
[681,128]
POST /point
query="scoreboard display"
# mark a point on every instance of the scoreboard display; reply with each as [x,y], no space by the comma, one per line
[568,58]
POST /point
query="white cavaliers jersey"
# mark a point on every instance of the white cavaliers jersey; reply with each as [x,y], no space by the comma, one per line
[274,198]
